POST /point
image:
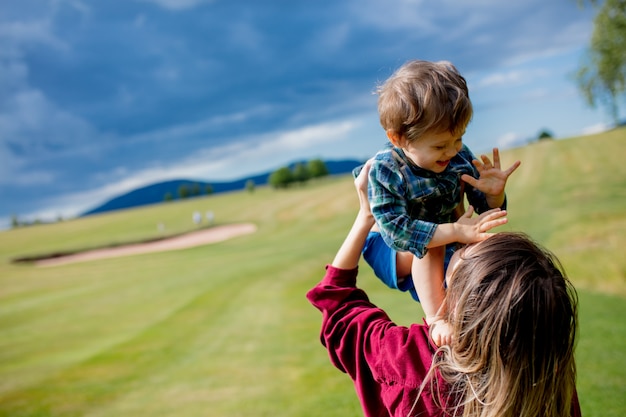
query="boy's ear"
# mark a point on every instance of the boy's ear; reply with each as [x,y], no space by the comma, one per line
[395,138]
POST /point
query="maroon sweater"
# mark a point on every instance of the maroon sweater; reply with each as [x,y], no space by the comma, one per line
[386,362]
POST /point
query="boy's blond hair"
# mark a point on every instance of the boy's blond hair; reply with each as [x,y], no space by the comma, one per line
[423,96]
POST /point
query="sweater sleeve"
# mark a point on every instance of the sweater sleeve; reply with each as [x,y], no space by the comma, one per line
[387,363]
[351,325]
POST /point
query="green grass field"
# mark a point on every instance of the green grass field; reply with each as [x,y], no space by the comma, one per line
[225,329]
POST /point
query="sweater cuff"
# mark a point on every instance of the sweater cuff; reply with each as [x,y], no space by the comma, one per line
[340,277]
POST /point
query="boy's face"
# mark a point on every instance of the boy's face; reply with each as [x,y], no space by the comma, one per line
[433,151]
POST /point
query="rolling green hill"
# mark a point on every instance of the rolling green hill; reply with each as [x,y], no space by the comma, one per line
[225,330]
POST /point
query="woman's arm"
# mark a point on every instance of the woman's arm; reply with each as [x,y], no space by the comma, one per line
[362,341]
[349,253]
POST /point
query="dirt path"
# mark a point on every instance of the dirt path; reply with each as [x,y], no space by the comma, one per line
[201,237]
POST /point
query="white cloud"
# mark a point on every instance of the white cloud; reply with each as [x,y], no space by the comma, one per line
[167,73]
[308,136]
[243,34]
[411,14]
[536,94]
[34,122]
[512,77]
[208,164]
[330,40]
[264,152]
[500,78]
[510,140]
[199,128]
[596,128]
[140,21]
[177,5]
[33,32]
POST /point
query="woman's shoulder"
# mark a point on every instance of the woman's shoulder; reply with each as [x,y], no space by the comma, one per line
[406,354]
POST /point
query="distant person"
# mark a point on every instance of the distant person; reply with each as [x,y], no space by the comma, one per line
[417,183]
[196,217]
[513,317]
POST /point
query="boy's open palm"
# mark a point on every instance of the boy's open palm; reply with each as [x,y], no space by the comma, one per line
[492,179]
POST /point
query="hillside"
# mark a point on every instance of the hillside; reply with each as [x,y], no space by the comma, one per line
[155,193]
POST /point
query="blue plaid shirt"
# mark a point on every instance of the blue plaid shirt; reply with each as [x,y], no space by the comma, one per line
[408,202]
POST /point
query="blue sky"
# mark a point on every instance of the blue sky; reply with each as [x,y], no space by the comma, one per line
[99,98]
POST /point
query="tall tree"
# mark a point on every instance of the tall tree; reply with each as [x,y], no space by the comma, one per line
[602,76]
[301,173]
[250,185]
[183,191]
[317,168]
[195,189]
[281,178]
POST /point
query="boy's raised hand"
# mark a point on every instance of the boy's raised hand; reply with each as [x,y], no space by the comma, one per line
[492,180]
[471,229]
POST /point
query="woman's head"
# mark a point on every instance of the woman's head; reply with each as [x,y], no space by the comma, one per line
[514,317]
[423,96]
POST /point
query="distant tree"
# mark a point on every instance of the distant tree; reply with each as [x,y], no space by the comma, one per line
[183,191]
[195,189]
[250,185]
[15,221]
[545,134]
[317,168]
[602,76]
[208,189]
[301,173]
[281,178]
[168,197]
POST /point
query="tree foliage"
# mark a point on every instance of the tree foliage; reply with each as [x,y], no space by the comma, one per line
[281,178]
[317,168]
[602,76]
[545,134]
[301,173]
[250,185]
[183,191]
[195,189]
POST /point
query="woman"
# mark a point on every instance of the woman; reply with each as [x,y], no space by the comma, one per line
[513,315]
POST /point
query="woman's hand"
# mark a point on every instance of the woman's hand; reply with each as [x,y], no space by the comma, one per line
[349,253]
[360,183]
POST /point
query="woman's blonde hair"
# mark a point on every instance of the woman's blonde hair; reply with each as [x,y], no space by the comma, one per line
[423,96]
[514,318]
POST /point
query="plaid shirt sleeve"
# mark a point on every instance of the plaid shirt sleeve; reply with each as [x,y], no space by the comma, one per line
[388,201]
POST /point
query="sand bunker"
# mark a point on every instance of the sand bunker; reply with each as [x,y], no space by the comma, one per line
[188,240]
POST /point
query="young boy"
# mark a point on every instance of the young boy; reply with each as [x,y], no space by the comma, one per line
[417,184]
